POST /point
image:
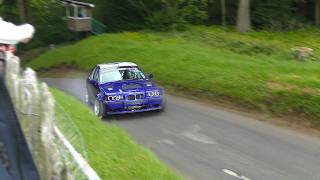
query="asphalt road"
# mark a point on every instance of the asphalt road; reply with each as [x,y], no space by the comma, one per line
[206,143]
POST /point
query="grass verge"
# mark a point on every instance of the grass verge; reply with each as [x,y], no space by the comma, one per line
[253,70]
[111,152]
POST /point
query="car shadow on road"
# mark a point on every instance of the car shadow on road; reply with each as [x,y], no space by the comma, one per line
[133,116]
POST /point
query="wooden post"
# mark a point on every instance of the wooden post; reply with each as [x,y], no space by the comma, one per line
[32,110]
[75,11]
[67,11]
[53,165]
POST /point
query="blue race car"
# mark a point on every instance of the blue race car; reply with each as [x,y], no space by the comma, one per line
[122,87]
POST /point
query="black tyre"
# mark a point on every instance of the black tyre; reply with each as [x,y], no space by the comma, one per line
[164,105]
[99,108]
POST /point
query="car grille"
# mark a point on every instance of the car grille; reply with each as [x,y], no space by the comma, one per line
[131,97]
[139,96]
[134,97]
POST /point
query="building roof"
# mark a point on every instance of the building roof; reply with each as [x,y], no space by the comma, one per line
[117,65]
[78,3]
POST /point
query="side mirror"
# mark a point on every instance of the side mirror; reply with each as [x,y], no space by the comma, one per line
[150,76]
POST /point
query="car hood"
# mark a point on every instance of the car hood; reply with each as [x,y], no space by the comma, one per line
[127,86]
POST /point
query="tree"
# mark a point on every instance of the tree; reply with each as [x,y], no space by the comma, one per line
[23,10]
[223,12]
[244,19]
[193,11]
[317,12]
[210,11]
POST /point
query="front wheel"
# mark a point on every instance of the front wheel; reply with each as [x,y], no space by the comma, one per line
[99,108]
[164,104]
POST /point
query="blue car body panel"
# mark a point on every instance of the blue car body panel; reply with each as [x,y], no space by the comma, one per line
[139,103]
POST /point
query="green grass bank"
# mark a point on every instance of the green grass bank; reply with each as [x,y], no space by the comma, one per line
[254,70]
[111,152]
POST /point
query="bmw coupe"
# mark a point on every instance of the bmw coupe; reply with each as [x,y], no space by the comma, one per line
[122,87]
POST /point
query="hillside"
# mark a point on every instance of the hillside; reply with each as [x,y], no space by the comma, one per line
[254,70]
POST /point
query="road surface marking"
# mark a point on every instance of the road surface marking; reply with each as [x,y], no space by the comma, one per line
[234,174]
[194,134]
[166,141]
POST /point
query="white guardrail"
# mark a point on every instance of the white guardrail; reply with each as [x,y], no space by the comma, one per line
[54,155]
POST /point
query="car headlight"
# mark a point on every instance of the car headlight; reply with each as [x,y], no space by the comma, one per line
[115,98]
[155,93]
[148,84]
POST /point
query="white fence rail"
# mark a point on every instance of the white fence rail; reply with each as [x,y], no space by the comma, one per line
[54,155]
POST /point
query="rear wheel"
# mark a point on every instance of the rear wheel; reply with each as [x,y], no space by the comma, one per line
[88,100]
[99,108]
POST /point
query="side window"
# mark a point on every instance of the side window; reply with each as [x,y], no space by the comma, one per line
[96,75]
[92,73]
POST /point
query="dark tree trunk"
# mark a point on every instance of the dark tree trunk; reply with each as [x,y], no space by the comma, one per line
[244,19]
[317,12]
[23,10]
[210,11]
[223,12]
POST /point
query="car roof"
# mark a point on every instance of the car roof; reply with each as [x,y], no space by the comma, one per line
[116,65]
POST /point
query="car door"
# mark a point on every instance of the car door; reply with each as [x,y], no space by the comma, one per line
[90,85]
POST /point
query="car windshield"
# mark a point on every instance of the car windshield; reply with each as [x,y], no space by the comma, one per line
[111,75]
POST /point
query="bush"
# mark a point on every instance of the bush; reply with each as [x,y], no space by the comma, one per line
[193,11]
[250,48]
[174,15]
[165,20]
[302,53]
[276,15]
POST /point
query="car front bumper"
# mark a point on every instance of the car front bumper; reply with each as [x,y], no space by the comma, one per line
[125,106]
